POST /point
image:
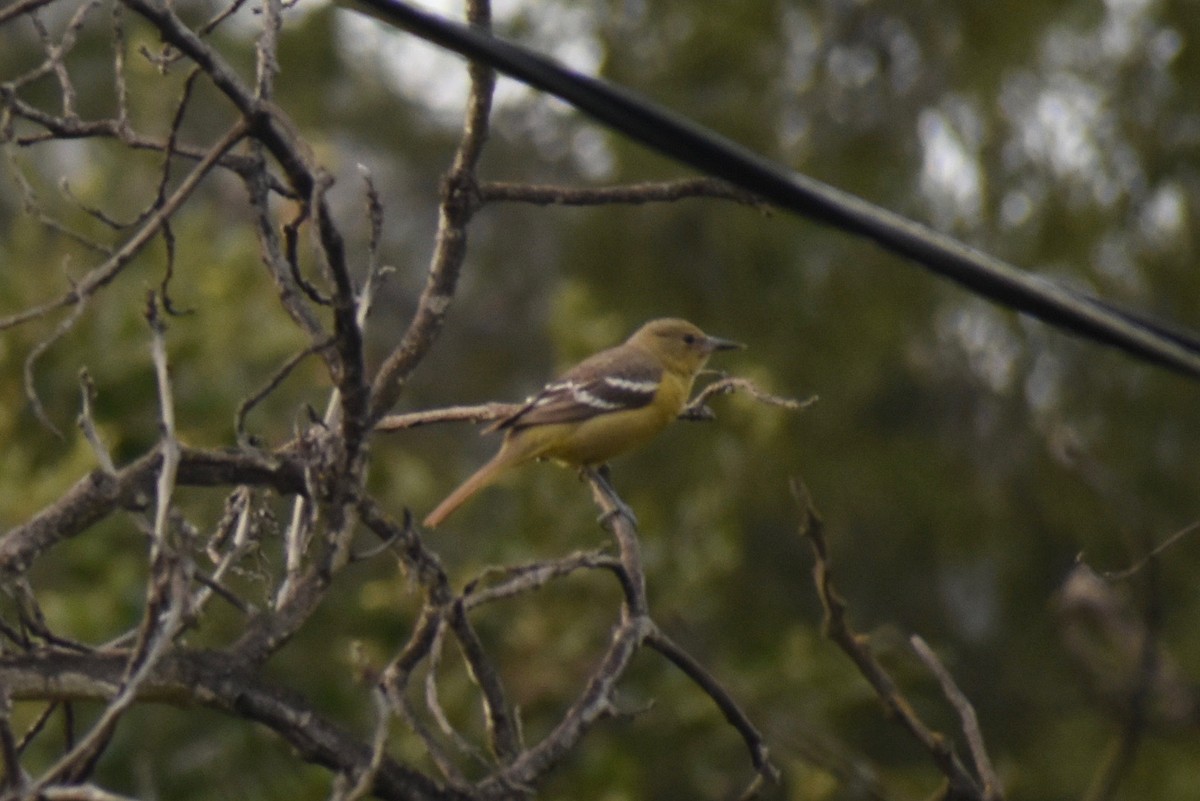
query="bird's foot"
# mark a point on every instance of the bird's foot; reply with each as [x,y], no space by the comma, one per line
[620,508]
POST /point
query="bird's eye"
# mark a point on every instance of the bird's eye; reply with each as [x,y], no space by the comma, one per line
[690,339]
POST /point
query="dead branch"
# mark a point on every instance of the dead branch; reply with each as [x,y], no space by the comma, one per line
[966,713]
[211,679]
[106,272]
[322,470]
[460,201]
[961,784]
[631,194]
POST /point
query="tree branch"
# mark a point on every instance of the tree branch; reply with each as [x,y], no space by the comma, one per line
[100,493]
[211,679]
[460,201]
[961,783]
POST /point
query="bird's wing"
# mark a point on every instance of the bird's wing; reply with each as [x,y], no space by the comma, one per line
[611,381]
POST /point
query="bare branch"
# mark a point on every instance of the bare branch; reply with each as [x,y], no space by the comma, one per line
[1154,553]
[395,682]
[500,717]
[87,423]
[727,385]
[80,792]
[483,413]
[733,713]
[35,354]
[13,774]
[366,779]
[213,680]
[616,515]
[630,194]
[992,790]
[280,375]
[104,273]
[594,703]
[433,701]
[99,494]
[460,200]
[21,7]
[962,783]
[518,579]
[169,445]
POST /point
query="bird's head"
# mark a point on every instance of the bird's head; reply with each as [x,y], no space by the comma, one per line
[681,346]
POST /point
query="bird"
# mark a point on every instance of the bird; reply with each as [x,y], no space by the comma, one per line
[610,403]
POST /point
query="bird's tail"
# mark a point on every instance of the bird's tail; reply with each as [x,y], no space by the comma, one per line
[482,477]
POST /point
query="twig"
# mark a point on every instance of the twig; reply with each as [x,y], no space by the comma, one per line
[460,201]
[759,753]
[482,413]
[38,725]
[97,495]
[433,702]
[169,445]
[836,628]
[593,703]
[104,273]
[697,410]
[87,423]
[377,271]
[146,659]
[519,579]
[56,53]
[316,442]
[966,712]
[267,65]
[1154,553]
[213,586]
[629,194]
[421,562]
[120,88]
[216,681]
[277,378]
[365,781]
[36,352]
[21,7]
[500,718]
[220,17]
[239,507]
[13,774]
[395,681]
[29,199]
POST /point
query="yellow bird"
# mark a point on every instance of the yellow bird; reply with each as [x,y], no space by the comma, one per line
[608,404]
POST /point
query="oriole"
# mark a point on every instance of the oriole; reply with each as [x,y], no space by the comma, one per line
[608,404]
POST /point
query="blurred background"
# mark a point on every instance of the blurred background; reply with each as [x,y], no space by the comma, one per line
[964,458]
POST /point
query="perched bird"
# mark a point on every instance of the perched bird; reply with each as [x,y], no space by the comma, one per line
[608,404]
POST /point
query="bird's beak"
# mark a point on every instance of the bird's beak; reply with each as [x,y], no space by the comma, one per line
[716,343]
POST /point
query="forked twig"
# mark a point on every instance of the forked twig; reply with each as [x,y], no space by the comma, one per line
[966,713]
[836,628]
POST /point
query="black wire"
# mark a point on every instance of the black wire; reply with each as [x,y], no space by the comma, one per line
[685,141]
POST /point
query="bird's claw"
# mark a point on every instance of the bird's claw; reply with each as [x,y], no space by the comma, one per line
[621,509]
